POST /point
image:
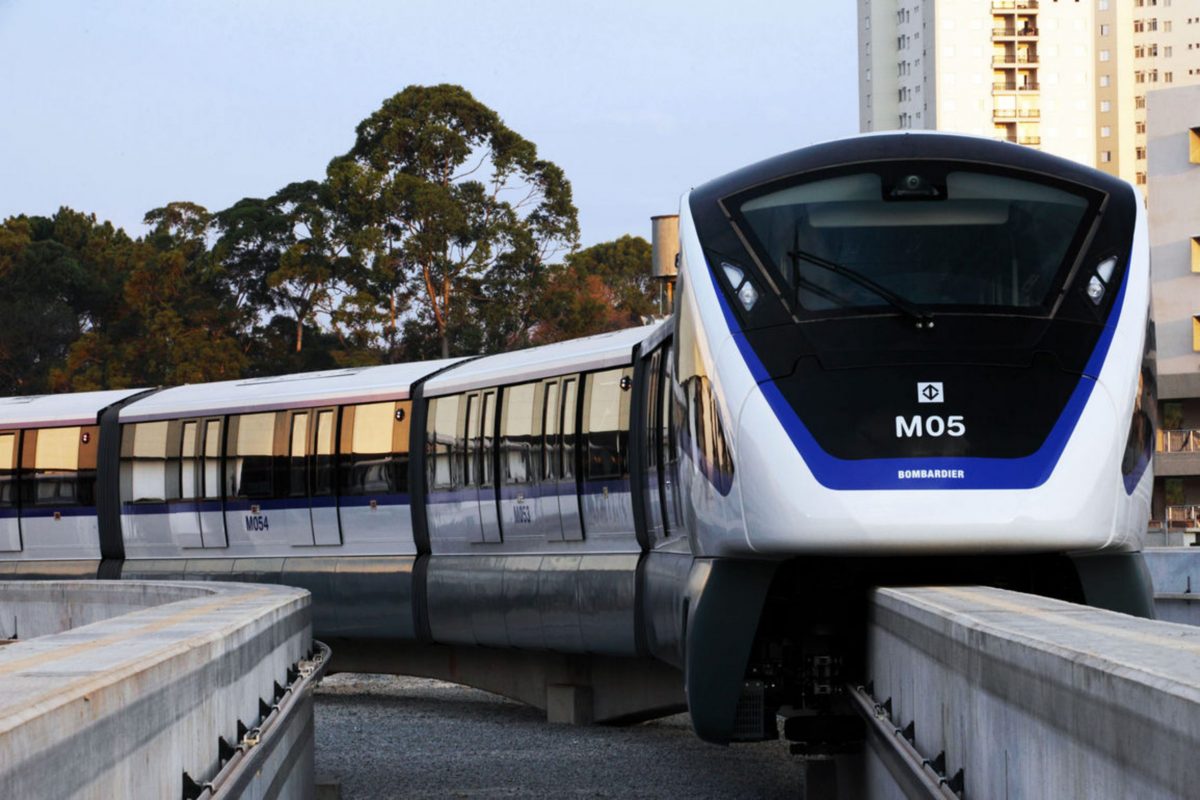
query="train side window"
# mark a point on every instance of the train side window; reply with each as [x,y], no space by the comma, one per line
[608,425]
[516,433]
[8,470]
[377,460]
[63,466]
[442,429]
[249,457]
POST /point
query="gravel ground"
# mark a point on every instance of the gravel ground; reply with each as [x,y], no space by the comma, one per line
[383,736]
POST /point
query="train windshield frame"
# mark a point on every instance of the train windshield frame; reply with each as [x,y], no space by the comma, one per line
[941,236]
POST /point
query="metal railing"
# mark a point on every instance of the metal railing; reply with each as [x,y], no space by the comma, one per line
[1179,441]
[1014,113]
[1027,31]
[1013,86]
[999,61]
[1031,140]
[1009,5]
[1183,516]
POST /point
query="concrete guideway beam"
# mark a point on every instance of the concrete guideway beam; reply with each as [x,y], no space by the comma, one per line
[1033,697]
[123,702]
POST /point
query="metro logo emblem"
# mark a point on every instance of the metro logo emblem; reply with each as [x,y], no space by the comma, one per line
[930,392]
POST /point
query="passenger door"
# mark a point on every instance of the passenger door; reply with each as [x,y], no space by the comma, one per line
[322,478]
[298,515]
[10,509]
[478,467]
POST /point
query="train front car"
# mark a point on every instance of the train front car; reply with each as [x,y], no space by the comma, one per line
[931,361]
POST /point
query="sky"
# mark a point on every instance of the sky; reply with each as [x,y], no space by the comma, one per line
[118,107]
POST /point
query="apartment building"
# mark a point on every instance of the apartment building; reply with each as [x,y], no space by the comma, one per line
[1172,135]
[1068,76]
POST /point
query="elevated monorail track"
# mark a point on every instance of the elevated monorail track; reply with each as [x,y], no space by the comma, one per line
[978,692]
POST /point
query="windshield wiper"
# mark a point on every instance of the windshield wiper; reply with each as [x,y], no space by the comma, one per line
[923,318]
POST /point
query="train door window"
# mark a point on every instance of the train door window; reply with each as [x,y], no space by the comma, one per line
[144,450]
[297,453]
[485,438]
[249,457]
[211,477]
[570,398]
[190,468]
[470,451]
[551,443]
[670,415]
[8,471]
[376,461]
[516,434]
[322,483]
[440,437]
[608,425]
[10,523]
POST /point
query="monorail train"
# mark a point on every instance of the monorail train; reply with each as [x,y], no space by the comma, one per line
[893,358]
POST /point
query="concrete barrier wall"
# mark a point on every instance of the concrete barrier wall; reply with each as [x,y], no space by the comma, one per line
[124,706]
[1037,698]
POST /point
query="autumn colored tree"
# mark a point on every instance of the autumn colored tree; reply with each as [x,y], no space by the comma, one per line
[605,287]
[436,194]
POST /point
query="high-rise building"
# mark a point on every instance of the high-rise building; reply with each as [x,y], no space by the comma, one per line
[1173,172]
[1069,76]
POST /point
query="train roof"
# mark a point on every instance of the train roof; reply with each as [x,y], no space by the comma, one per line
[59,410]
[304,390]
[576,355]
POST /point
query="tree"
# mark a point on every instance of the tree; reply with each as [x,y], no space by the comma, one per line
[436,194]
[283,254]
[175,324]
[603,288]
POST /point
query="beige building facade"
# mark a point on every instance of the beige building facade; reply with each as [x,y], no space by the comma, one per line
[1173,176]
[1068,76]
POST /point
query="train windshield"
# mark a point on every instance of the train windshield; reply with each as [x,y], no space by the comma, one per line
[919,237]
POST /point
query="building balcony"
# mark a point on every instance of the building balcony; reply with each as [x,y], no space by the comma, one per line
[1013,86]
[1182,517]
[1016,113]
[1178,453]
[1014,33]
[1032,140]
[1015,60]
[1010,6]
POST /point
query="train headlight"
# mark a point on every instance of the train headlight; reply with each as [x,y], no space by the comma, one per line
[744,289]
[748,295]
[1099,282]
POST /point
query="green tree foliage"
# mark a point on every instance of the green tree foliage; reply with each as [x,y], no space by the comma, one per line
[437,194]
[605,287]
[437,233]
[173,326]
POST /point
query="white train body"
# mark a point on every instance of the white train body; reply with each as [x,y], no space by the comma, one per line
[893,358]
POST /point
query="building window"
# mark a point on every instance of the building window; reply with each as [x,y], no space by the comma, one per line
[1196,333]
[1105,131]
[1168,51]
[1141,179]
[1168,77]
[1104,55]
[1105,106]
[1104,80]
[1140,152]
[1105,156]
[1104,30]
[1193,145]
[1196,254]
[1139,101]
